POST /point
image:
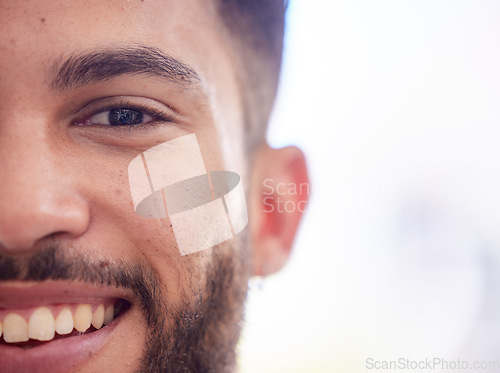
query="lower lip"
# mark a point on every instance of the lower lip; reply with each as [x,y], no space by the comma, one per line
[58,356]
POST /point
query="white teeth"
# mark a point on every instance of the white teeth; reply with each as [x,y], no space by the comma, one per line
[64,322]
[42,325]
[98,317]
[83,317]
[15,329]
[109,315]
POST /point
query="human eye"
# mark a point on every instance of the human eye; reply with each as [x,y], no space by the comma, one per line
[124,114]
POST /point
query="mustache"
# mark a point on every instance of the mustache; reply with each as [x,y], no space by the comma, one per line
[52,263]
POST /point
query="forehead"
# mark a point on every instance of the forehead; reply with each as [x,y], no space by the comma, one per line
[100,20]
[36,34]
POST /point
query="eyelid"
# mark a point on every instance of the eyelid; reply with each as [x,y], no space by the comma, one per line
[158,111]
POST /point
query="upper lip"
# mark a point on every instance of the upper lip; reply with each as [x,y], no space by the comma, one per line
[34,294]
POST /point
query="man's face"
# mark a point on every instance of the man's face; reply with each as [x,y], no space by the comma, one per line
[69,234]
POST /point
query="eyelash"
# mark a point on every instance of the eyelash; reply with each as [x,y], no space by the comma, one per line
[158,117]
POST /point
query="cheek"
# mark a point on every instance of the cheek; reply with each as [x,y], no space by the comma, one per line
[114,226]
[117,232]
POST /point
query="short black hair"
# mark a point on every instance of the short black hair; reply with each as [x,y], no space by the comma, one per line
[256,28]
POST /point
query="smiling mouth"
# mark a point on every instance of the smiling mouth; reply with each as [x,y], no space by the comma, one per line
[32,327]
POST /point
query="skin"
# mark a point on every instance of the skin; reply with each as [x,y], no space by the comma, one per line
[64,179]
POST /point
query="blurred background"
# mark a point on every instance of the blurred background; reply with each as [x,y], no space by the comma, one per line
[397,107]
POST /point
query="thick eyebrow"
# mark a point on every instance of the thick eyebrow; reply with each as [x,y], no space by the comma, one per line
[101,65]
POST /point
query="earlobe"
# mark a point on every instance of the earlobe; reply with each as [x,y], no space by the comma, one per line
[280,190]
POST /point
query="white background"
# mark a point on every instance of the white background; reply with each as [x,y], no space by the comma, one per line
[397,106]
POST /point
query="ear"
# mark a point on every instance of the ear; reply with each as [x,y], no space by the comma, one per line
[279,193]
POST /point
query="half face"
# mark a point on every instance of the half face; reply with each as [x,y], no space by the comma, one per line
[86,283]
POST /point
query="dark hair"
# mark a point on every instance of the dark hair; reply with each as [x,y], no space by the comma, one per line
[256,29]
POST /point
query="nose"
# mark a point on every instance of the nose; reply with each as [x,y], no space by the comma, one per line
[38,197]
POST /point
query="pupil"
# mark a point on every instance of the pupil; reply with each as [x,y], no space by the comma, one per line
[124,117]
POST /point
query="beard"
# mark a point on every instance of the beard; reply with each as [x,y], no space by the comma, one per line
[199,334]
